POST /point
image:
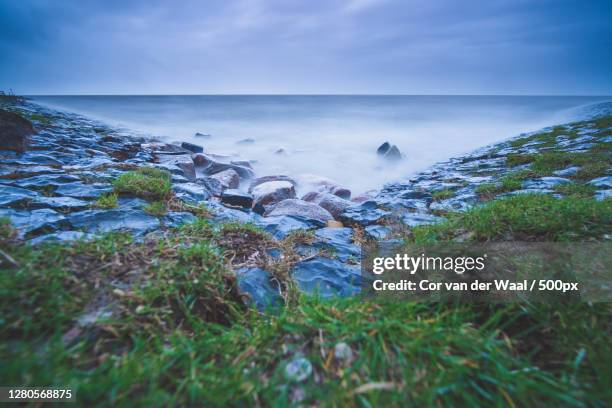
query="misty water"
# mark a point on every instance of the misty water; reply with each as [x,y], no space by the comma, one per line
[331,136]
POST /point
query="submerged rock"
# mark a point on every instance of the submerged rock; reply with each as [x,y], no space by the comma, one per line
[14,131]
[383,149]
[192,147]
[299,208]
[272,192]
[393,154]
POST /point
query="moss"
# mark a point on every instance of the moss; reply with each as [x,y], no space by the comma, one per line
[146,182]
[107,201]
[578,190]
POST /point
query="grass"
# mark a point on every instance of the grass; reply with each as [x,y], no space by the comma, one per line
[156,208]
[107,201]
[146,182]
[510,182]
[527,217]
[577,190]
[442,194]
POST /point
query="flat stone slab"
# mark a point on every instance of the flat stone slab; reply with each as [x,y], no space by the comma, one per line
[327,277]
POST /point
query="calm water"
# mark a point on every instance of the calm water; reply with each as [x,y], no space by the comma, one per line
[331,136]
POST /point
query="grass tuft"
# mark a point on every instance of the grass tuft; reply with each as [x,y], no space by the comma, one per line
[145,182]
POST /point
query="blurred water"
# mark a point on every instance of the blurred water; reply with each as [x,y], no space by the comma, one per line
[331,136]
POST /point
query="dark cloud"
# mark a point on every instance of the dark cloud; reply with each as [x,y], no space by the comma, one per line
[291,46]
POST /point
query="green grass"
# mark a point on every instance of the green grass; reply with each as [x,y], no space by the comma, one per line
[146,182]
[510,182]
[442,194]
[577,190]
[156,208]
[528,217]
[107,201]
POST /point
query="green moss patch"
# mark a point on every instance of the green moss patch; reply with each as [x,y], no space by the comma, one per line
[146,182]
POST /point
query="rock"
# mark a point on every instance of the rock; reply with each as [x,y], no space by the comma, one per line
[246,141]
[242,163]
[223,214]
[281,152]
[228,178]
[213,185]
[82,190]
[327,277]
[206,164]
[191,192]
[60,236]
[265,179]
[544,183]
[367,213]
[299,208]
[368,195]
[569,171]
[175,219]
[339,241]
[36,222]
[334,224]
[14,131]
[202,135]
[378,232]
[332,203]
[383,149]
[393,154]
[181,164]
[323,184]
[601,195]
[280,227]
[15,196]
[414,219]
[99,221]
[159,148]
[602,182]
[298,369]
[255,282]
[237,198]
[192,147]
[63,204]
[272,192]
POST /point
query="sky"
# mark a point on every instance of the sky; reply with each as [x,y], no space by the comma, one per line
[502,47]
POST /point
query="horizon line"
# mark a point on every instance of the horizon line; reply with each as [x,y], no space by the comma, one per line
[316,94]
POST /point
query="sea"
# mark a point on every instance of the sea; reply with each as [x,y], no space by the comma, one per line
[331,136]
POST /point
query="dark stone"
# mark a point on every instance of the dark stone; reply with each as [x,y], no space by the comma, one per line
[213,185]
[280,227]
[206,165]
[15,196]
[378,232]
[255,283]
[192,147]
[82,190]
[393,154]
[61,236]
[602,182]
[414,219]
[229,179]
[136,221]
[178,164]
[544,183]
[191,192]
[365,214]
[327,277]
[175,219]
[332,203]
[14,131]
[31,223]
[383,148]
[246,141]
[237,198]
[202,135]
[339,241]
[272,192]
[63,204]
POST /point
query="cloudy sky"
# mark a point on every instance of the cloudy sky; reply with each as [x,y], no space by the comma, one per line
[306,46]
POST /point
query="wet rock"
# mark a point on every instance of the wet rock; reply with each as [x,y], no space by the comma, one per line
[82,190]
[601,195]
[192,147]
[602,182]
[223,214]
[30,223]
[207,165]
[37,159]
[272,192]
[191,192]
[383,149]
[367,196]
[322,185]
[281,152]
[280,227]
[202,135]
[339,241]
[159,148]
[213,185]
[15,196]
[327,277]
[242,163]
[265,179]
[228,178]
[63,204]
[237,198]
[61,236]
[255,282]
[378,232]
[246,141]
[99,221]
[299,208]
[14,131]
[414,219]
[569,171]
[181,164]
[175,219]
[332,203]
[365,214]
[45,181]
[544,183]
[393,154]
